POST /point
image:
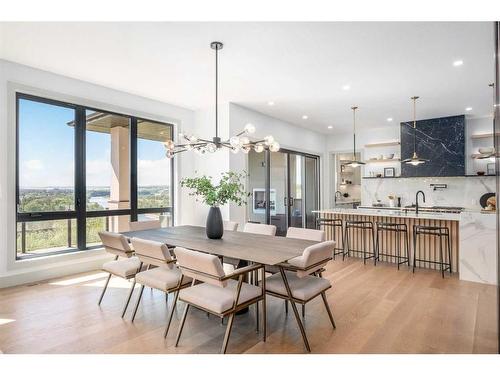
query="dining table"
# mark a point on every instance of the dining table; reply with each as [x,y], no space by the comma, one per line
[246,247]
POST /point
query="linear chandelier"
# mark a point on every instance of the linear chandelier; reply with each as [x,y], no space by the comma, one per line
[235,143]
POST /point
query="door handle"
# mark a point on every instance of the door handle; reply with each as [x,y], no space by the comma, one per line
[291,202]
[285,201]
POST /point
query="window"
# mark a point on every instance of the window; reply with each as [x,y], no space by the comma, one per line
[83,170]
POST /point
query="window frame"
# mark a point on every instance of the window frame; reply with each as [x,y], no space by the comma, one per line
[80,213]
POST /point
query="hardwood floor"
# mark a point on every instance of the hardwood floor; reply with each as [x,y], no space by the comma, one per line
[377,310]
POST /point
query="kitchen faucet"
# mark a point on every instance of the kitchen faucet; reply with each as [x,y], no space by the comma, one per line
[416,200]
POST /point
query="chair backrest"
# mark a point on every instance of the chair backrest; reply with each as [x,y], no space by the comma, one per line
[200,266]
[306,234]
[152,252]
[144,225]
[116,243]
[230,225]
[318,254]
[268,230]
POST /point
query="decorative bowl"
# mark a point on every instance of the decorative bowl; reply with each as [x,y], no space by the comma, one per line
[486,150]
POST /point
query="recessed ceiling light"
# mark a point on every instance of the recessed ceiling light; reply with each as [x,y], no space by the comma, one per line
[458,63]
[389,119]
[305,117]
[330,127]
[468,109]
[346,87]
[270,103]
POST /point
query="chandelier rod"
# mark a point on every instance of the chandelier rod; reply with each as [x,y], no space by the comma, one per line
[216,92]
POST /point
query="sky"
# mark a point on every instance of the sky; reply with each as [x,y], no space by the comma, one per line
[46,151]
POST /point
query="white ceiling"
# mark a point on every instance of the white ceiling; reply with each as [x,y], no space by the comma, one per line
[300,66]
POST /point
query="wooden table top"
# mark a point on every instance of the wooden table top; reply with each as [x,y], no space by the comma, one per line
[257,248]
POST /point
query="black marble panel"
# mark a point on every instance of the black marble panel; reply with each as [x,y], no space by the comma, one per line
[441,141]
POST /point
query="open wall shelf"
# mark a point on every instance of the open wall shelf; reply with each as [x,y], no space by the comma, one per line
[383,144]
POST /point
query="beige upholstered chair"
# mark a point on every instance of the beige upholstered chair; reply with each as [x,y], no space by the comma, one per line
[144,225]
[230,225]
[117,244]
[217,293]
[266,229]
[165,275]
[300,281]
[306,234]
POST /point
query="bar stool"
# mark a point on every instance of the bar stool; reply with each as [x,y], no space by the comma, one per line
[333,223]
[441,232]
[363,226]
[397,228]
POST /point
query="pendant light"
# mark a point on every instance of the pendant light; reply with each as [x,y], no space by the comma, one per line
[236,143]
[354,162]
[415,160]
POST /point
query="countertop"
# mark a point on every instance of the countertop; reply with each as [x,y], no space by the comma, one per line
[396,212]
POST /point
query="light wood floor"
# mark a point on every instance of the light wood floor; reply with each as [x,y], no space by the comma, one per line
[377,310]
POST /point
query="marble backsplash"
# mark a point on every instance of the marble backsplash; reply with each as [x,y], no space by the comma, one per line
[461,191]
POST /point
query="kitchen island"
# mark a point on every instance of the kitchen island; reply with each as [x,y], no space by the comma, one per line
[472,237]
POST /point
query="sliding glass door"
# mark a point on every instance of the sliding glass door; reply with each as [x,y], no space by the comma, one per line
[289,181]
[82,170]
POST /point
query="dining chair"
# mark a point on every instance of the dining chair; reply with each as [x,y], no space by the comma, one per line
[164,275]
[267,229]
[230,225]
[301,234]
[215,292]
[144,225]
[300,281]
[117,244]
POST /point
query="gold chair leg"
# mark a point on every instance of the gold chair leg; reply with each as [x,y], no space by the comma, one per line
[104,290]
[228,333]
[295,311]
[330,315]
[138,302]
[264,314]
[181,326]
[172,310]
[128,299]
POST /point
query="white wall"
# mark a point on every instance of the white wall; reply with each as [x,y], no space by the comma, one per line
[15,77]
[289,136]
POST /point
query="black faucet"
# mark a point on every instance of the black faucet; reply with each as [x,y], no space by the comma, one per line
[416,200]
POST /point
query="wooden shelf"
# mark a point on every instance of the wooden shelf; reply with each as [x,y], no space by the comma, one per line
[383,144]
[476,156]
[483,135]
[394,160]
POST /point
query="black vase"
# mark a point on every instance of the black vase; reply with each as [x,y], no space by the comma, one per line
[215,226]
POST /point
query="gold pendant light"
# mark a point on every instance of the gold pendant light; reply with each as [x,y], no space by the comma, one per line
[415,160]
[354,162]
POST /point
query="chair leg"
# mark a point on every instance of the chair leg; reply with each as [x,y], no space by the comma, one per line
[128,299]
[347,244]
[264,319]
[257,322]
[138,302]
[398,247]
[407,244]
[449,250]
[227,334]
[330,315]
[286,306]
[295,311]
[181,326]
[303,311]
[441,255]
[373,247]
[172,310]
[104,290]
[414,249]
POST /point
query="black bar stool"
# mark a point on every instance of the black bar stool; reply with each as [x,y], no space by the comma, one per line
[333,223]
[442,233]
[397,228]
[363,226]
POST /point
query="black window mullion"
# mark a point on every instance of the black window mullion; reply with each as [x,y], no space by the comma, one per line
[133,169]
[80,179]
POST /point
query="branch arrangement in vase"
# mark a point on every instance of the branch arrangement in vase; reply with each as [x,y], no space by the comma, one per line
[231,188]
